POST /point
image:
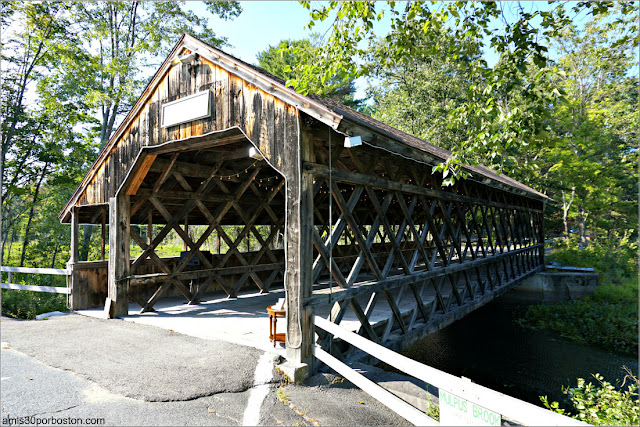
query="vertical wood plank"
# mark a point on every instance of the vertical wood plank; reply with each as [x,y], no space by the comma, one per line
[75,229]
[103,232]
[299,249]
[149,227]
[75,297]
[119,265]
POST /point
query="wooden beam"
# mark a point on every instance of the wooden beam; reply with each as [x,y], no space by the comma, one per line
[368,287]
[103,233]
[33,288]
[119,264]
[385,397]
[144,279]
[138,174]
[194,144]
[75,230]
[514,409]
[355,178]
[51,271]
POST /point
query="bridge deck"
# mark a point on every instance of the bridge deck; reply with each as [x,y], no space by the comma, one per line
[245,320]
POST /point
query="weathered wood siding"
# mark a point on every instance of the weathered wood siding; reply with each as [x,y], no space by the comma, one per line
[268,122]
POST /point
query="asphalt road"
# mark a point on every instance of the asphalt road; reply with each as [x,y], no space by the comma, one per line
[132,374]
[137,361]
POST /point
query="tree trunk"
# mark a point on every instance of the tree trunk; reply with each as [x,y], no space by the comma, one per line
[582,229]
[565,211]
[87,232]
[25,241]
[55,253]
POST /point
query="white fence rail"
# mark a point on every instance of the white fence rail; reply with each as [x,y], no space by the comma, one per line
[29,270]
[507,406]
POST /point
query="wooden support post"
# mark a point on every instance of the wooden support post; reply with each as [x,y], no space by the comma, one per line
[185,247]
[299,254]
[542,233]
[75,230]
[149,228]
[103,234]
[119,264]
[74,284]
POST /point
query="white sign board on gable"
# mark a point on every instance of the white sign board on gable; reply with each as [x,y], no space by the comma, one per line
[186,109]
[456,411]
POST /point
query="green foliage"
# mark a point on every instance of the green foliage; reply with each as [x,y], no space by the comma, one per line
[282,61]
[601,403]
[611,326]
[609,317]
[417,94]
[70,72]
[505,105]
[616,263]
[433,410]
[27,304]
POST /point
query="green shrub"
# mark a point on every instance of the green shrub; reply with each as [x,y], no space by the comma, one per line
[612,326]
[609,317]
[616,263]
[433,410]
[601,404]
[28,304]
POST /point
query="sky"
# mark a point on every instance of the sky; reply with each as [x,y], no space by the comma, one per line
[261,24]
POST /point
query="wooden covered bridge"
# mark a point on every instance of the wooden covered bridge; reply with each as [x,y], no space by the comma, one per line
[301,192]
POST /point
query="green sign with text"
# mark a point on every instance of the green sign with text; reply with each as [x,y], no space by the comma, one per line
[456,411]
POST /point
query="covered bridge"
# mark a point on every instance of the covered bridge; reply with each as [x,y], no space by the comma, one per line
[301,192]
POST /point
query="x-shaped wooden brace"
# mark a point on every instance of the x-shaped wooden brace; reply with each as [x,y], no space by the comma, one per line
[249,227]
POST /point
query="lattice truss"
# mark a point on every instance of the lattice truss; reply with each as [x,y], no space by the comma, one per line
[402,251]
[229,196]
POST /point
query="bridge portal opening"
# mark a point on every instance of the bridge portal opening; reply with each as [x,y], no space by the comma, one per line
[202,215]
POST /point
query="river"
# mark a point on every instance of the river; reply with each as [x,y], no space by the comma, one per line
[488,347]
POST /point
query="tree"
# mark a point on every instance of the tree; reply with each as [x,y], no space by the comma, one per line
[27,51]
[488,118]
[70,72]
[117,40]
[417,93]
[596,127]
[282,61]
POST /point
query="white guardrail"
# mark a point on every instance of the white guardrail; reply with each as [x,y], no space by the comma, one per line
[49,271]
[509,407]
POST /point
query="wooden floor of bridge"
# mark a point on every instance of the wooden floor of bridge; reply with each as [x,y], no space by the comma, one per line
[244,320]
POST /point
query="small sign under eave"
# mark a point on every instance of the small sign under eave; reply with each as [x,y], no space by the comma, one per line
[192,107]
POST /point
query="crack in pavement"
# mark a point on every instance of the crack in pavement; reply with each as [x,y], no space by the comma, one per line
[53,412]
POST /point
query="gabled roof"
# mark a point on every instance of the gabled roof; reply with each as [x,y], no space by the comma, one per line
[317,106]
[324,110]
